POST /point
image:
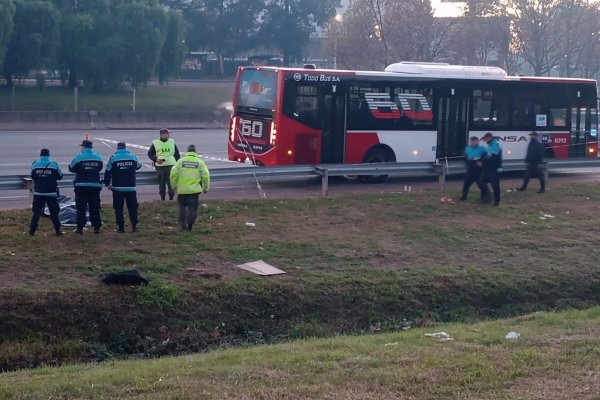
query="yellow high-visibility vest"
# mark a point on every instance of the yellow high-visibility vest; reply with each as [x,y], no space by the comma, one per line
[190,175]
[166,151]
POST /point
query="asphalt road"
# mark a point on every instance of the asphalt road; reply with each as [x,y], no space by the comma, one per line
[20,149]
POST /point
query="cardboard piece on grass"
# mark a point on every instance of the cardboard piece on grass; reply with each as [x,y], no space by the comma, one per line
[261,268]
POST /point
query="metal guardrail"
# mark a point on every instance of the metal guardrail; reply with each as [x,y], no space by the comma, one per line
[440,168]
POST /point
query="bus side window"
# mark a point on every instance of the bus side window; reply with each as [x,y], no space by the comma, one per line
[490,109]
[301,104]
[526,105]
[414,105]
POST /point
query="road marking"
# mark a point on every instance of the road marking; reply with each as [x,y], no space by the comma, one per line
[106,144]
[139,146]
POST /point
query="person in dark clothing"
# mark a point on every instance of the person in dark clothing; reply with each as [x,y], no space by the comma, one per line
[473,156]
[87,167]
[164,154]
[120,178]
[45,174]
[492,167]
[534,159]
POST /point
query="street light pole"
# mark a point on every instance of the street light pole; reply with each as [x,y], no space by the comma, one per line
[338,19]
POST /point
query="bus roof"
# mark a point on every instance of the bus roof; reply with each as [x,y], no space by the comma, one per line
[435,71]
[439,70]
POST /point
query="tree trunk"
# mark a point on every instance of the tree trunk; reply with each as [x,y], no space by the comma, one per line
[72,78]
[287,58]
[98,82]
[221,59]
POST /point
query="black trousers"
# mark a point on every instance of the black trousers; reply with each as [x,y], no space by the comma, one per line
[188,208]
[88,197]
[473,176]
[164,181]
[38,208]
[534,171]
[492,177]
[119,200]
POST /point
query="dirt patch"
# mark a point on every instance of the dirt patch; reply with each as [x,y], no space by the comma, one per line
[210,267]
[571,384]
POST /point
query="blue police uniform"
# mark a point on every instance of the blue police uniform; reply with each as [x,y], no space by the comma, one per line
[45,174]
[492,167]
[120,173]
[87,167]
[473,155]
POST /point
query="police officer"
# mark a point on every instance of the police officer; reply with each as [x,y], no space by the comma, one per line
[120,178]
[164,153]
[533,159]
[87,167]
[189,178]
[473,155]
[45,174]
[492,167]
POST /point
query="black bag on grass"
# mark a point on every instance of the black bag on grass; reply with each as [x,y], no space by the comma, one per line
[131,277]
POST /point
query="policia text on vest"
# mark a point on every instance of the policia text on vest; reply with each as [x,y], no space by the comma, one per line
[164,154]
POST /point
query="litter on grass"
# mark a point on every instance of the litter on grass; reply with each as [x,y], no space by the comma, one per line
[261,268]
[438,335]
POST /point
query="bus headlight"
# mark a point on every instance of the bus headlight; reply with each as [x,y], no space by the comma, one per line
[232,128]
[273,135]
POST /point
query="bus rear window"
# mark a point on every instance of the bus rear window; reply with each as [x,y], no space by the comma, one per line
[257,91]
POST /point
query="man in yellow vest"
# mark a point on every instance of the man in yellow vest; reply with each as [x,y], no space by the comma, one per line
[189,178]
[164,154]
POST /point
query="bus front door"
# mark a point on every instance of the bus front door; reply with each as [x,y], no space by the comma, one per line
[579,128]
[333,129]
[452,122]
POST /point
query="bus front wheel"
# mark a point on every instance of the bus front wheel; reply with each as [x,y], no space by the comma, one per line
[374,156]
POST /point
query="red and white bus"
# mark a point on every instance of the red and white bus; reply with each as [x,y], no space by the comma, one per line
[410,112]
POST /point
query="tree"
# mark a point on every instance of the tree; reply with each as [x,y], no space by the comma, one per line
[142,29]
[418,36]
[288,24]
[35,38]
[78,56]
[224,27]
[486,36]
[358,30]
[390,31]
[7,13]
[173,48]
[535,26]
[578,27]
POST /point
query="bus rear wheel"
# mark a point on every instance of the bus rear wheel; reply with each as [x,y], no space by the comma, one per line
[374,156]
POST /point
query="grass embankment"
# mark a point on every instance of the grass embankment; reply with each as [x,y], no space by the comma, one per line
[198,98]
[355,264]
[556,357]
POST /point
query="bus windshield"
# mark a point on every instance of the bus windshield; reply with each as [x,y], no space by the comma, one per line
[257,91]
